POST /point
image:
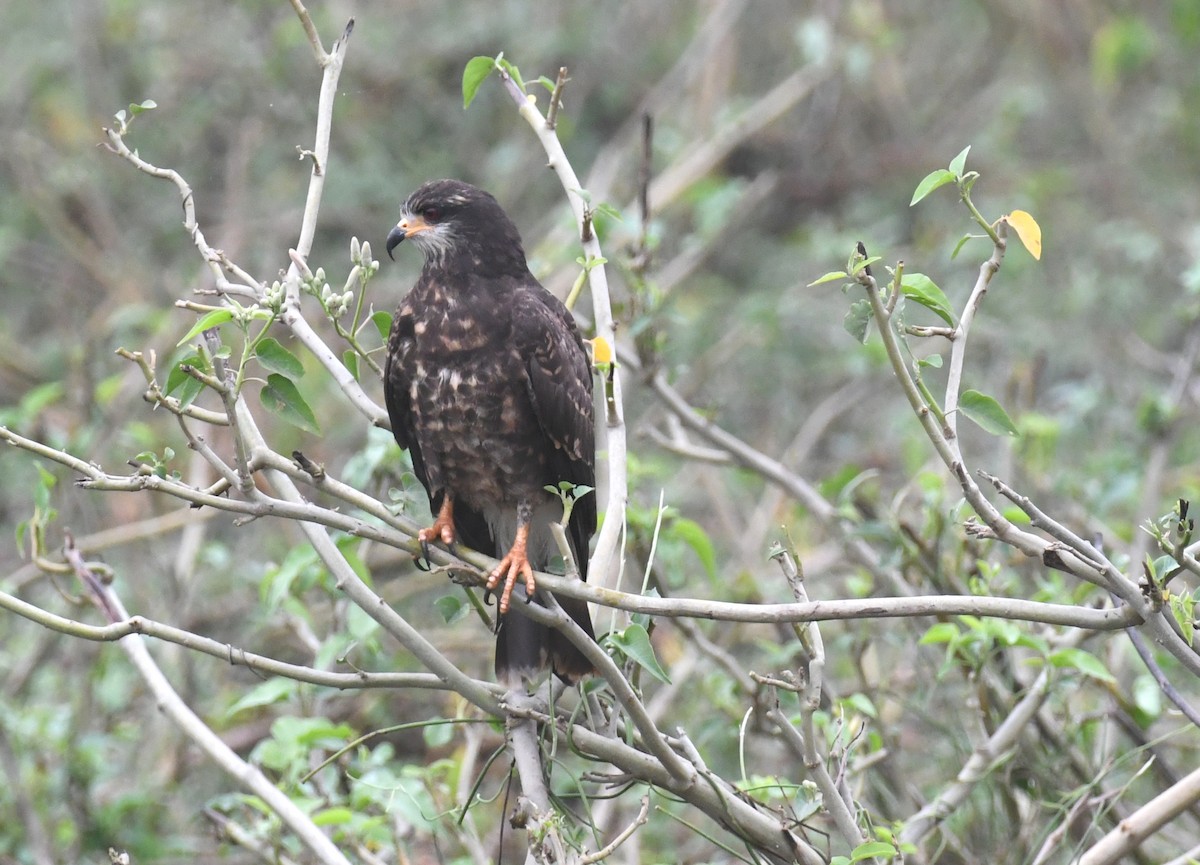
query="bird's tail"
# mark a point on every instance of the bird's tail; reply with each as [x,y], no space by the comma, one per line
[567,661]
[523,647]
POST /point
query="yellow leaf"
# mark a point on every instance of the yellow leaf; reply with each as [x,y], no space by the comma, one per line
[601,351]
[1028,230]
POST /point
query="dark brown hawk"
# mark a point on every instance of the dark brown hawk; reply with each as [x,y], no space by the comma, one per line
[489,389]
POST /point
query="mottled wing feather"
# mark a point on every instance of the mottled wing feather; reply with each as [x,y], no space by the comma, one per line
[472,528]
[559,384]
[396,389]
[560,388]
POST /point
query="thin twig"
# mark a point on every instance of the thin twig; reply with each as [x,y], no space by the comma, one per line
[980,763]
[556,98]
[310,30]
[308,513]
[615,484]
[958,340]
[1137,827]
[554,616]
[1160,676]
[624,835]
[843,817]
[247,774]
[232,655]
[230,831]
[779,474]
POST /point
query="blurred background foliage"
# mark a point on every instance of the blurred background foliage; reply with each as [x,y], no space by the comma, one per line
[1083,113]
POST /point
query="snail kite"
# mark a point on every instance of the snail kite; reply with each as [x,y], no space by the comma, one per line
[489,389]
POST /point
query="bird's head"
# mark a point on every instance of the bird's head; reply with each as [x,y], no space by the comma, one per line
[455,224]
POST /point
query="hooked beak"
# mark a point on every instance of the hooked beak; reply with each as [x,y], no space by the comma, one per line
[395,238]
[405,228]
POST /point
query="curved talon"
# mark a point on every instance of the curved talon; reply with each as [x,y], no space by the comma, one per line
[514,565]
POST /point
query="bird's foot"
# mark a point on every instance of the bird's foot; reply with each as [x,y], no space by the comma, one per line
[441,530]
[515,564]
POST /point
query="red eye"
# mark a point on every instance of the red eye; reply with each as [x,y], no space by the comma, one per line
[432,213]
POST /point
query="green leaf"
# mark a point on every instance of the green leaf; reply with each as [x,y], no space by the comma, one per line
[182,386]
[1029,641]
[474,74]
[337,816]
[437,735]
[607,210]
[136,109]
[864,262]
[513,72]
[452,608]
[1161,566]
[920,288]
[987,413]
[932,181]
[1014,514]
[958,246]
[934,361]
[1183,608]
[1147,698]
[634,641]
[383,323]
[691,533]
[350,359]
[1084,662]
[360,626]
[192,388]
[278,359]
[861,704]
[348,546]
[872,850]
[47,482]
[832,276]
[267,693]
[1003,632]
[857,319]
[297,567]
[213,318]
[958,163]
[942,632]
[280,397]
[108,389]
[33,403]
[313,732]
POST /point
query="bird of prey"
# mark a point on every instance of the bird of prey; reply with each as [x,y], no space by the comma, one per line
[489,388]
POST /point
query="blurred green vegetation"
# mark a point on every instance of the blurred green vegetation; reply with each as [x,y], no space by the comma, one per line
[1084,114]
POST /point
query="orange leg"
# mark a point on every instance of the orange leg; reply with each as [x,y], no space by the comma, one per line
[443,526]
[515,564]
